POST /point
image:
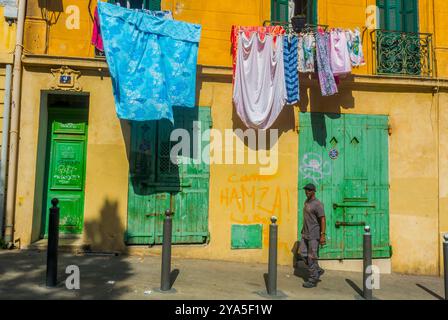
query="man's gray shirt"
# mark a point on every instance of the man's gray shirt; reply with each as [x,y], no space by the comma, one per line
[313,210]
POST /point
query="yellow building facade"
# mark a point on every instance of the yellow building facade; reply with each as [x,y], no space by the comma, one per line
[57,35]
[7,39]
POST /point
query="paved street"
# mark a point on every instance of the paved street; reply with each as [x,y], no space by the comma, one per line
[22,276]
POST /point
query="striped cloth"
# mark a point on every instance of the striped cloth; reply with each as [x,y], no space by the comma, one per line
[290,49]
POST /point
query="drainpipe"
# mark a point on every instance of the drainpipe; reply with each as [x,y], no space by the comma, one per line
[5,136]
[14,132]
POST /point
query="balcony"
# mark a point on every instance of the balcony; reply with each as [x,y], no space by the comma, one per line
[403,53]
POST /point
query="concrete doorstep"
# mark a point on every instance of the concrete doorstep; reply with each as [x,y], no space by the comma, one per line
[23,276]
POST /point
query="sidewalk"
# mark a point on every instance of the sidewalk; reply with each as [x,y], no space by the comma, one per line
[22,276]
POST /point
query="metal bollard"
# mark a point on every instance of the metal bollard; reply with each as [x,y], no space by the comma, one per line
[367,263]
[445,263]
[272,264]
[166,251]
[52,248]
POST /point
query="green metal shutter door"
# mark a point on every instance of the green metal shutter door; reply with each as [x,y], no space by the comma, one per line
[141,198]
[378,175]
[317,136]
[192,223]
[354,186]
[154,178]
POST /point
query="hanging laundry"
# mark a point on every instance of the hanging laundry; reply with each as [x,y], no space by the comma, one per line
[306,53]
[262,31]
[326,77]
[291,9]
[290,44]
[260,90]
[152,62]
[354,45]
[339,54]
[165,14]
[97,40]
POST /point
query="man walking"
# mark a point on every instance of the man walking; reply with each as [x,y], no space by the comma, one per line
[313,235]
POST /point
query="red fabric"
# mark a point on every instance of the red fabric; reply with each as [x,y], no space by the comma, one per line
[97,40]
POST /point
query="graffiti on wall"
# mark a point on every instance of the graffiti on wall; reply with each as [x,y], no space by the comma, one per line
[254,199]
[314,168]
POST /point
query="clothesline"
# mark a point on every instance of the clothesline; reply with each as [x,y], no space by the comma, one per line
[266,69]
[309,28]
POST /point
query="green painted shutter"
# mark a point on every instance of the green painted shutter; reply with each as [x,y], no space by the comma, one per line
[152,4]
[390,14]
[280,9]
[409,13]
[354,186]
[398,53]
[154,179]
[138,4]
[311,14]
[398,15]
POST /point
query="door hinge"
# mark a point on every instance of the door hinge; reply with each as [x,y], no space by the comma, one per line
[389,130]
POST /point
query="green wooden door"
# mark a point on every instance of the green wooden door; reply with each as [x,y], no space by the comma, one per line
[66,163]
[346,157]
[154,179]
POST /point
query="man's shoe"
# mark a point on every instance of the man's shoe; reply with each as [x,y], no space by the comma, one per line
[309,284]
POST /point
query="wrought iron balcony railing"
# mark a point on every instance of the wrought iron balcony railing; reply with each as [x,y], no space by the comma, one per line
[403,53]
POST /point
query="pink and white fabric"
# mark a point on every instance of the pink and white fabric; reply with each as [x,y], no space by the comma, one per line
[260,91]
[339,55]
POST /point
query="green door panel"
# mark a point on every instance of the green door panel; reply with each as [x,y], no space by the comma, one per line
[67,165]
[353,186]
[247,236]
[154,179]
[65,173]
[139,4]
[280,10]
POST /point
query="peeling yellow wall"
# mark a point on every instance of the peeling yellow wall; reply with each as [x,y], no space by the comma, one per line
[217,18]
[7,39]
[59,28]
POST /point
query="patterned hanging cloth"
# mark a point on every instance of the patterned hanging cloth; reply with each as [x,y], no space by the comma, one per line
[306,50]
[354,45]
[339,54]
[152,62]
[326,78]
[290,44]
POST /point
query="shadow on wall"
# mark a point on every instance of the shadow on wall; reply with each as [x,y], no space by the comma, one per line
[51,5]
[324,107]
[107,233]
